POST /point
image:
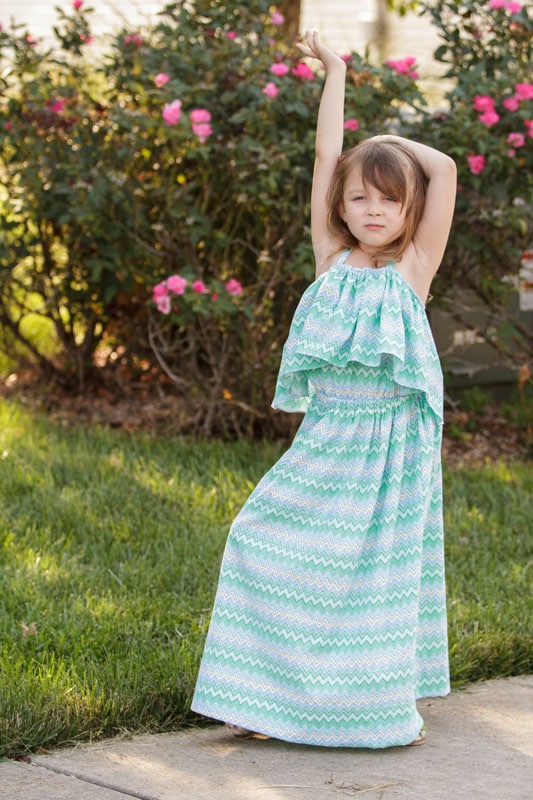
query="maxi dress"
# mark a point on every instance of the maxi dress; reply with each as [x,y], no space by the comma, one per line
[330,619]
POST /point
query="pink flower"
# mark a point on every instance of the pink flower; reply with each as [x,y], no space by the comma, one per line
[31,39]
[476,163]
[172,112]
[159,290]
[202,130]
[496,4]
[57,106]
[403,66]
[514,8]
[214,296]
[271,90]
[303,72]
[511,153]
[277,18]
[524,91]
[511,103]
[527,122]
[77,4]
[231,35]
[7,126]
[199,287]
[86,39]
[163,304]
[489,118]
[351,124]
[133,38]
[176,284]
[483,102]
[233,287]
[516,139]
[161,78]
[199,115]
[348,57]
[279,69]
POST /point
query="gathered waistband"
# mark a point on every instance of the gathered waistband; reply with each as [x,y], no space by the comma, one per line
[378,402]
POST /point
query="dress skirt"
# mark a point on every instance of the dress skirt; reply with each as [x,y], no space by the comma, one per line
[329,619]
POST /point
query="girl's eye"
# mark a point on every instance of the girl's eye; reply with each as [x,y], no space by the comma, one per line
[392,199]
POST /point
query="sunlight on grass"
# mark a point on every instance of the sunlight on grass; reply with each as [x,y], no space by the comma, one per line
[111,547]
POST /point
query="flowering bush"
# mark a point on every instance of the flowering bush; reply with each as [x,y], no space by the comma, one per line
[486,127]
[165,188]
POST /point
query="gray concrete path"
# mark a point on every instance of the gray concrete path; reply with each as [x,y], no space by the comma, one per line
[479,747]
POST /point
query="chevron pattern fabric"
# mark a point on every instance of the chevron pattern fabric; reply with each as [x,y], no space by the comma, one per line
[329,619]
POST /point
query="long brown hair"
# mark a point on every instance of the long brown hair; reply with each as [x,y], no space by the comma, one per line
[392,169]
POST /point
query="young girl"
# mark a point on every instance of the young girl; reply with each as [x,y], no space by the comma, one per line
[329,620]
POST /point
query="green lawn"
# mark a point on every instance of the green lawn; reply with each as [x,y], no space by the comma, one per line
[110,552]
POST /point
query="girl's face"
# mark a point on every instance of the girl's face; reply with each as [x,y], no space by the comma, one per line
[374,218]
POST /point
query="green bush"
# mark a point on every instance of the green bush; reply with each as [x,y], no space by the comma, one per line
[105,196]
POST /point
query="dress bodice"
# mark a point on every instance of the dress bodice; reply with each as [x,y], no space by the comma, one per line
[359,315]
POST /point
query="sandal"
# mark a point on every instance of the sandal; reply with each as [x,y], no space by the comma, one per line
[420,739]
[243,733]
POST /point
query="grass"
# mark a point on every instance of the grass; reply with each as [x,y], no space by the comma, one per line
[110,552]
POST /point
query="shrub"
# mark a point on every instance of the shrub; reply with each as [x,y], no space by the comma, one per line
[185,153]
[487,126]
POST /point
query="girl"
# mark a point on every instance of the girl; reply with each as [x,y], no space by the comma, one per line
[330,620]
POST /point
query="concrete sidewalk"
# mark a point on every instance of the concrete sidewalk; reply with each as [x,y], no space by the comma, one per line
[479,747]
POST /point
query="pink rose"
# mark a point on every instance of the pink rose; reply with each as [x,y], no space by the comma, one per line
[202,130]
[351,124]
[303,72]
[514,8]
[199,287]
[511,153]
[496,4]
[159,290]
[483,102]
[163,304]
[527,122]
[524,91]
[277,18]
[31,39]
[172,112]
[57,106]
[476,163]
[233,287]
[214,297]
[77,4]
[403,66]
[231,35]
[199,115]
[133,38]
[271,90]
[489,118]
[176,284]
[279,69]
[7,126]
[516,139]
[160,79]
[511,103]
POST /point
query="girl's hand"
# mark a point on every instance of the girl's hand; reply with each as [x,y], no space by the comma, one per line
[313,48]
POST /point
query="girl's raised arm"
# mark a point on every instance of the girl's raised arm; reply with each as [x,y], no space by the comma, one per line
[328,148]
[431,236]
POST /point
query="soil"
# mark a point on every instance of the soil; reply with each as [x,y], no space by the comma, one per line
[147,404]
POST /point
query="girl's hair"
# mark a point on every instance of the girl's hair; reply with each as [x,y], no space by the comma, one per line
[392,169]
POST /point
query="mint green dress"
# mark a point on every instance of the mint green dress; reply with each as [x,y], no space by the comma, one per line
[329,619]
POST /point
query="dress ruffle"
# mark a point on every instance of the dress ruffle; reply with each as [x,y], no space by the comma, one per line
[362,315]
